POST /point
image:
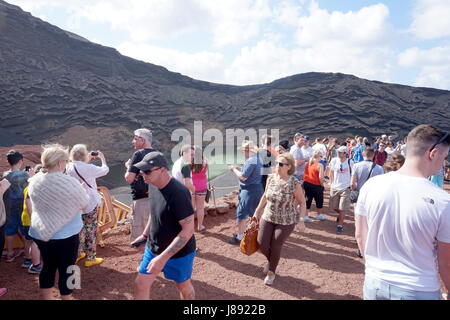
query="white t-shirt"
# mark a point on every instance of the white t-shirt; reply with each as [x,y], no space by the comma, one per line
[176,170]
[321,147]
[342,178]
[405,216]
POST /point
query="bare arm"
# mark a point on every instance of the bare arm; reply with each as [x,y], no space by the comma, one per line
[321,174]
[262,204]
[300,199]
[354,182]
[188,183]
[238,173]
[29,206]
[158,263]
[331,177]
[443,253]
[361,229]
[130,177]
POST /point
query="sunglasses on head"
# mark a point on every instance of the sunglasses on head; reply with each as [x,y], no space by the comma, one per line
[442,139]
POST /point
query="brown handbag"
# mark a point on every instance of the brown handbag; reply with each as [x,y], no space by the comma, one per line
[249,243]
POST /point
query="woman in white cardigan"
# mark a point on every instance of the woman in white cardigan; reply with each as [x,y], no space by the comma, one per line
[57,200]
[87,173]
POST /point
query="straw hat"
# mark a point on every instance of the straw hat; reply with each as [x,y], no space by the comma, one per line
[248,144]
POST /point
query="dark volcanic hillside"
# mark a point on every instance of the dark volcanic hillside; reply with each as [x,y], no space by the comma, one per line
[55,85]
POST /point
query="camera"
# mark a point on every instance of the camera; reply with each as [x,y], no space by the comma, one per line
[94,153]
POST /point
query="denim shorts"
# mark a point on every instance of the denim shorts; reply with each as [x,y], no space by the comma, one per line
[13,222]
[176,269]
[375,289]
[248,201]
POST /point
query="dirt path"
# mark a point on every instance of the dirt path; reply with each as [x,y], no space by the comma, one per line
[316,264]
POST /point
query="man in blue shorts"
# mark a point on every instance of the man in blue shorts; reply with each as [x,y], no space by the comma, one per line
[171,242]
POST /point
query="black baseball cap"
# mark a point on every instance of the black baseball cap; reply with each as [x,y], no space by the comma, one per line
[152,160]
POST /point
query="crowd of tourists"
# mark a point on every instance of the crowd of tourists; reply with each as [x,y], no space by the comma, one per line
[402,213]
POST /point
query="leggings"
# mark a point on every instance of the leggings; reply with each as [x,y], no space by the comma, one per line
[271,238]
[57,255]
[88,234]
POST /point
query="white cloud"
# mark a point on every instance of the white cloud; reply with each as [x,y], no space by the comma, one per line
[230,22]
[268,61]
[367,26]
[202,65]
[236,21]
[434,65]
[431,19]
[351,42]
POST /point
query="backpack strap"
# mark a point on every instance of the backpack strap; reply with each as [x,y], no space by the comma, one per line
[349,167]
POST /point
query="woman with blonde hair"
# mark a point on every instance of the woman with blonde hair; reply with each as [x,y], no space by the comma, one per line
[87,173]
[277,212]
[313,184]
[57,200]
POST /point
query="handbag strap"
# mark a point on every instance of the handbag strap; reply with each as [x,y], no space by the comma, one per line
[370,172]
[81,177]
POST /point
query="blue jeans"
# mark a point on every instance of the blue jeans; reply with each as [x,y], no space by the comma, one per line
[375,289]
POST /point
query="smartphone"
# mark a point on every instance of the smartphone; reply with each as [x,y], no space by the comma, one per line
[139,243]
[94,153]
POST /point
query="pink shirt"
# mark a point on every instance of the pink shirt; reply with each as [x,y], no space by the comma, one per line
[199,180]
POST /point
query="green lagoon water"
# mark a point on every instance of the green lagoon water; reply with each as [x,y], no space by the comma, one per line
[218,164]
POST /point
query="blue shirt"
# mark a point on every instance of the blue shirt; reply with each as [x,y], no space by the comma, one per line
[72,228]
[252,170]
[357,156]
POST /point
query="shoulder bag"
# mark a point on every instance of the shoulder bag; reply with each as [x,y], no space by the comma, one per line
[354,194]
[249,243]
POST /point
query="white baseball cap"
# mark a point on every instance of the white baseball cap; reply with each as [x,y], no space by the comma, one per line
[342,149]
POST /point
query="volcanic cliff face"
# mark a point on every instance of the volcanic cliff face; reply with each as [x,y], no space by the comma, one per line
[57,86]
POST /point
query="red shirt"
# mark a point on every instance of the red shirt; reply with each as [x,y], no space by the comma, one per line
[380,157]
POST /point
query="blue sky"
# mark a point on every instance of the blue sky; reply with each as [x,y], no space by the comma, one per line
[258,41]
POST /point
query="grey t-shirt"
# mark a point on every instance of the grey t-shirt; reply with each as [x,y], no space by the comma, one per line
[298,155]
[362,169]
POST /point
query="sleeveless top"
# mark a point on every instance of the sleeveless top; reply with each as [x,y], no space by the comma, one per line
[312,173]
[281,204]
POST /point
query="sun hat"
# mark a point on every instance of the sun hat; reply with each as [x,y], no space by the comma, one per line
[248,144]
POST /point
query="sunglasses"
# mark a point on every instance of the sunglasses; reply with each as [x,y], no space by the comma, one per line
[149,171]
[442,139]
[281,164]
[341,169]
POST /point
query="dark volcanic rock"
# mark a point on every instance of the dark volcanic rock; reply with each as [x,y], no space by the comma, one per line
[52,81]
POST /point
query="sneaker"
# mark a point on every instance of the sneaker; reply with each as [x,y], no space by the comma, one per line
[16,254]
[266,268]
[83,255]
[307,219]
[90,263]
[339,229]
[26,263]
[321,217]
[35,268]
[269,278]
[234,240]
